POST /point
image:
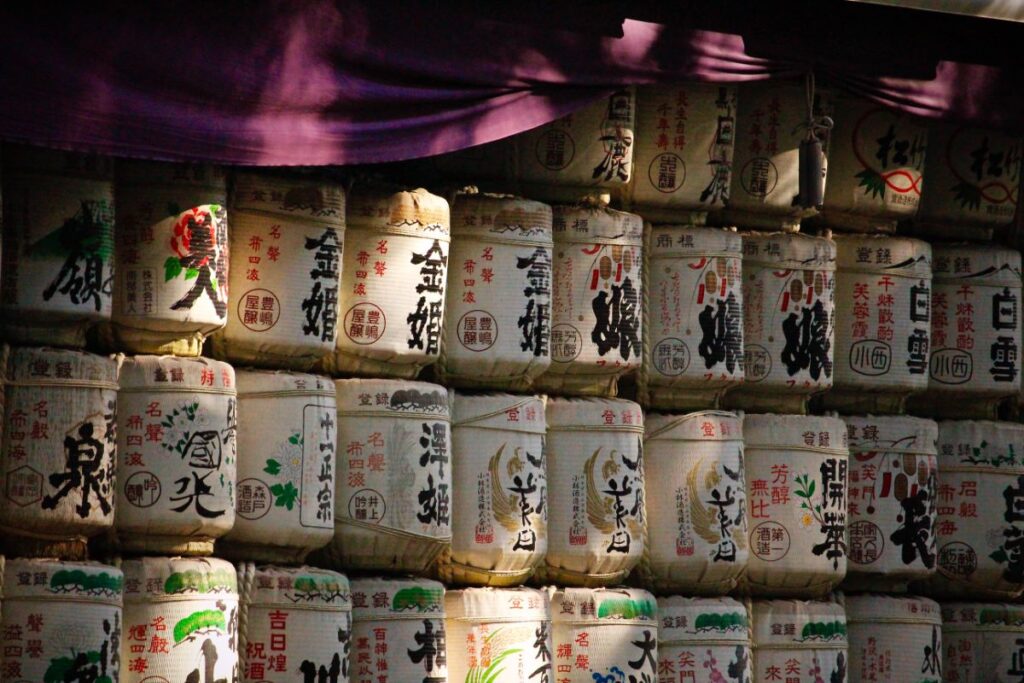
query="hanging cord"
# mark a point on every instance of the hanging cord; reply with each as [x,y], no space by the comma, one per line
[812,155]
[818,127]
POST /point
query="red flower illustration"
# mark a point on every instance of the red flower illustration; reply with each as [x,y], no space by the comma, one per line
[185,232]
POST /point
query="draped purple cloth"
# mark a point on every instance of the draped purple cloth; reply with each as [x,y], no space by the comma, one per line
[361,81]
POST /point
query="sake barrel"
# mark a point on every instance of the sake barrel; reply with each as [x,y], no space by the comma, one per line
[589,149]
[876,164]
[59,450]
[973,178]
[975,331]
[177,427]
[286,245]
[891,534]
[771,124]
[392,510]
[393,278]
[802,641]
[500,490]
[498,324]
[58,245]
[696,539]
[398,631]
[295,619]
[894,639]
[703,640]
[981,642]
[181,621]
[883,296]
[597,302]
[595,463]
[62,621]
[684,145]
[499,635]
[796,473]
[171,289]
[693,317]
[284,500]
[604,633]
[978,511]
[788,320]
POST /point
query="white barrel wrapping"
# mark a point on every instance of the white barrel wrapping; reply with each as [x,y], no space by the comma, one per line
[286,247]
[62,621]
[684,149]
[976,328]
[177,423]
[796,471]
[171,287]
[891,534]
[596,321]
[604,633]
[287,443]
[293,620]
[803,641]
[58,245]
[876,164]
[981,641]
[499,635]
[973,179]
[595,463]
[703,640]
[770,125]
[497,329]
[883,326]
[180,621]
[499,490]
[59,449]
[393,278]
[696,539]
[398,631]
[894,639]
[788,318]
[693,316]
[393,505]
[978,518]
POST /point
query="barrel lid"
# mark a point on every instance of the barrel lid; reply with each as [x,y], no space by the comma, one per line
[603,606]
[138,172]
[789,250]
[396,396]
[501,216]
[44,365]
[289,196]
[706,425]
[498,604]
[976,264]
[589,223]
[899,256]
[878,609]
[690,241]
[178,578]
[56,580]
[507,412]
[802,432]
[397,598]
[173,373]
[806,624]
[25,158]
[981,443]
[697,620]
[982,616]
[610,413]
[414,210]
[300,587]
[892,434]
[251,382]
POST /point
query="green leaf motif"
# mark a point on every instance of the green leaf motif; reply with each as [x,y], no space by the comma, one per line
[872,182]
[295,439]
[191,273]
[172,268]
[285,495]
[273,467]
[999,556]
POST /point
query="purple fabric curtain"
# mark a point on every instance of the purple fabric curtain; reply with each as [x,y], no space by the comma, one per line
[362,81]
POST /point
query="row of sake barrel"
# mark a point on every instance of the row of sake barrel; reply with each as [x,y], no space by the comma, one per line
[666,151]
